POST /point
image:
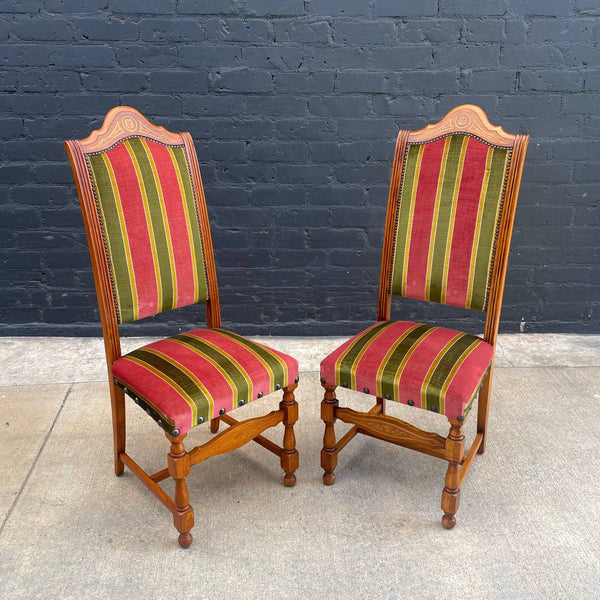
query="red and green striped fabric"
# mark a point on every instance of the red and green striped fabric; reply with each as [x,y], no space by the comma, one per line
[450,203]
[192,377]
[420,365]
[150,226]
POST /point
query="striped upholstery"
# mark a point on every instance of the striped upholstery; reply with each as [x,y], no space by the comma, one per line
[421,365]
[190,378]
[149,221]
[451,197]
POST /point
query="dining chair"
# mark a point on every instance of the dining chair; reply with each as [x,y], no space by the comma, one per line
[149,239]
[451,208]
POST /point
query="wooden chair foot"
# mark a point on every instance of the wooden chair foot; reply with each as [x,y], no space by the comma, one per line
[289,480]
[185,539]
[328,478]
[214,425]
[448,520]
[289,463]
[328,464]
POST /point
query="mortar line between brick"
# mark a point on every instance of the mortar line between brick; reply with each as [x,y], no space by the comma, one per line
[36,459]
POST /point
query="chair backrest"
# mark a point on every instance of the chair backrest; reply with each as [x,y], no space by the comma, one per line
[450,210]
[145,216]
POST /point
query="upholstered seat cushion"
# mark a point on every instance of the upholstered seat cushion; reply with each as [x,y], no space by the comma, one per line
[420,365]
[192,377]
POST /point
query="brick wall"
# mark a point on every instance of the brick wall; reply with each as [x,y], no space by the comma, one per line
[294,107]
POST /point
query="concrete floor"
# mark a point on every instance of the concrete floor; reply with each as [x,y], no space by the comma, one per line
[527,527]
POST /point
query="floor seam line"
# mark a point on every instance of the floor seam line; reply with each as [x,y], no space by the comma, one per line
[496,366]
[37,457]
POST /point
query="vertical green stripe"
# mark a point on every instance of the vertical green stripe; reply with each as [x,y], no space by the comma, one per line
[271,360]
[347,363]
[171,371]
[410,180]
[240,379]
[391,367]
[441,372]
[443,221]
[157,224]
[190,205]
[114,236]
[489,224]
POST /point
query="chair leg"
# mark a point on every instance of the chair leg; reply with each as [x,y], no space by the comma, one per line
[329,451]
[381,402]
[117,401]
[483,409]
[455,450]
[289,456]
[179,466]
[214,425]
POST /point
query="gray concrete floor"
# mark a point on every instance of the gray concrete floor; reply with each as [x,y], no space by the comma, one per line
[527,526]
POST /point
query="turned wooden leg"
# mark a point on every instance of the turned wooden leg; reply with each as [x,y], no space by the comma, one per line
[214,425]
[329,451]
[117,401]
[178,462]
[483,409]
[289,456]
[455,450]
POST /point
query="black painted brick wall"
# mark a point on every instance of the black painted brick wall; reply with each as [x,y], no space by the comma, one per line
[294,106]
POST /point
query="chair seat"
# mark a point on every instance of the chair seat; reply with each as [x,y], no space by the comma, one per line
[195,376]
[420,365]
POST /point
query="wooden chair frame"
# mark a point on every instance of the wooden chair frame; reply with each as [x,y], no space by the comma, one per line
[470,120]
[122,123]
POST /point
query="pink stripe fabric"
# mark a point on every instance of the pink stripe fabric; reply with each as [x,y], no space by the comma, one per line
[419,363]
[213,371]
[413,376]
[468,376]
[203,369]
[181,244]
[328,363]
[154,388]
[423,219]
[137,231]
[464,225]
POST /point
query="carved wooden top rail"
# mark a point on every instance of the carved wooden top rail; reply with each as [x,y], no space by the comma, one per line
[123,122]
[464,119]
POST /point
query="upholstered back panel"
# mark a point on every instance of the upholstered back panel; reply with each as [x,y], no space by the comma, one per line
[150,226]
[451,196]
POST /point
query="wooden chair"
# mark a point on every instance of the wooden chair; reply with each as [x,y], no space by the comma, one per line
[149,239]
[450,214]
